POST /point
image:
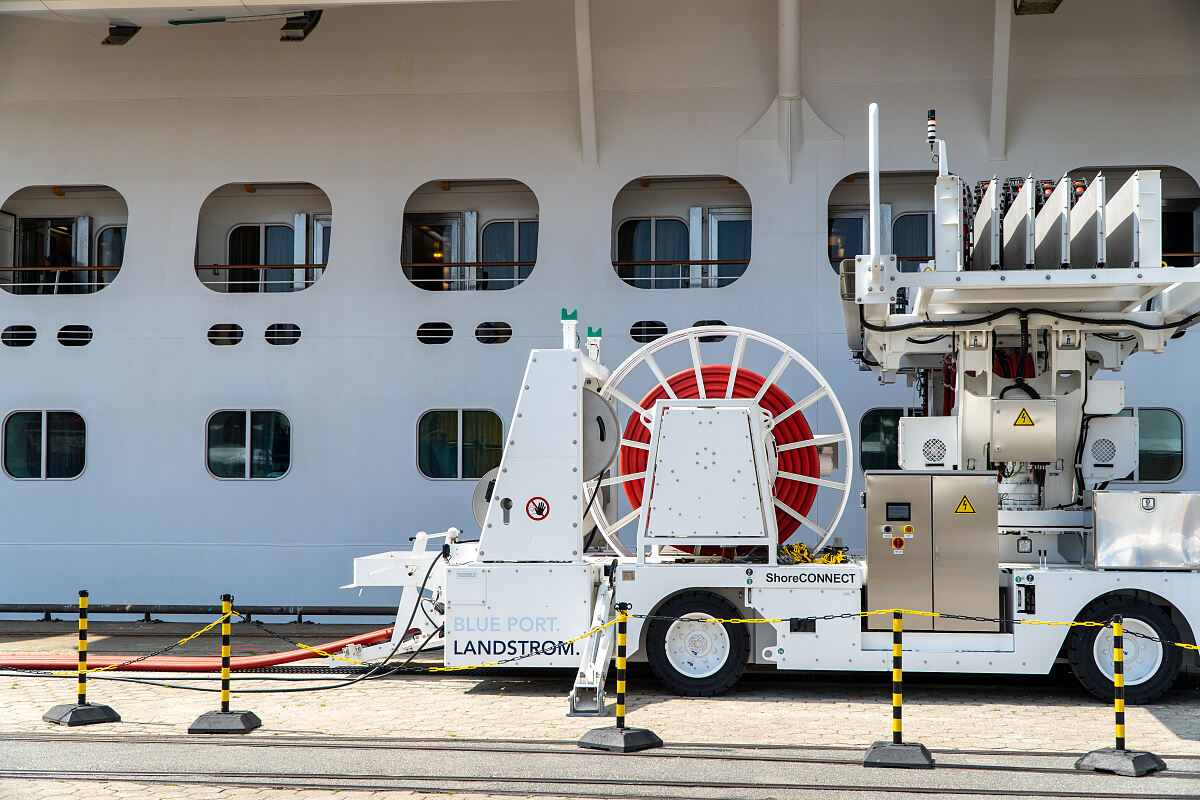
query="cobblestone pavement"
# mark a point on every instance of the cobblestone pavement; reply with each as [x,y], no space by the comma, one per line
[1043,714]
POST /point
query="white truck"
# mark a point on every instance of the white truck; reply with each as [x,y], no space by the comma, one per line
[714,445]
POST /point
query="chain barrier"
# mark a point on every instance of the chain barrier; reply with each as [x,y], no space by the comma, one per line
[294,643]
[159,652]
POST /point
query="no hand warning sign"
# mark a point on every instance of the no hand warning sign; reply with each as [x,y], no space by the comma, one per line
[538,508]
[964,506]
[1023,419]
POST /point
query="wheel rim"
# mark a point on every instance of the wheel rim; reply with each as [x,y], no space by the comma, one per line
[696,647]
[1142,657]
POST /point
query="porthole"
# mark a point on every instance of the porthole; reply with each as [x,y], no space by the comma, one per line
[18,335]
[647,330]
[225,333]
[701,323]
[434,332]
[74,335]
[493,332]
[283,333]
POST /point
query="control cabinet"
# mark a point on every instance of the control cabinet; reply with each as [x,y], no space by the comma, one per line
[932,545]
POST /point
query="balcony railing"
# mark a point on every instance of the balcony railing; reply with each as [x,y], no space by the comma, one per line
[680,274]
[467,276]
[245,278]
[56,280]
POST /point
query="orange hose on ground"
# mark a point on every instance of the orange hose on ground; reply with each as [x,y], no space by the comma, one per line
[188,663]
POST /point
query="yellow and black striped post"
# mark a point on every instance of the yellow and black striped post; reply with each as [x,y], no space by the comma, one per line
[896,753]
[1118,624]
[618,738]
[80,713]
[226,608]
[1132,763]
[897,677]
[83,604]
[225,721]
[622,623]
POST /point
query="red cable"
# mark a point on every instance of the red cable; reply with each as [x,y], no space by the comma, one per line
[188,663]
[795,494]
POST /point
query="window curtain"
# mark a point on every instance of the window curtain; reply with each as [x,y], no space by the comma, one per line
[437,444]
[482,436]
[670,244]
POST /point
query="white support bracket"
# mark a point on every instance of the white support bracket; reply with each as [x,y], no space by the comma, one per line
[587,696]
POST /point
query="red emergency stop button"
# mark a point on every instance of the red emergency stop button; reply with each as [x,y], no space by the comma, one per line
[898,543]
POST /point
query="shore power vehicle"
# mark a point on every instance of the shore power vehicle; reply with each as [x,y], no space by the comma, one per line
[713,449]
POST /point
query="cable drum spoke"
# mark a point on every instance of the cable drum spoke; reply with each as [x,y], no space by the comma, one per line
[801,459]
[816,441]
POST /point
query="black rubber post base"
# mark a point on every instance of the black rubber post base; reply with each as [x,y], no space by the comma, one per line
[73,714]
[620,740]
[225,722]
[910,755]
[1132,763]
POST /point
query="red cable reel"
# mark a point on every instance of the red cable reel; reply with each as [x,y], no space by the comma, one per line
[796,495]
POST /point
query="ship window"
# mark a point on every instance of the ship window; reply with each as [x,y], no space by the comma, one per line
[879,439]
[44,445]
[282,333]
[255,246]
[701,323]
[847,236]
[652,253]
[647,330]
[224,334]
[61,239]
[509,253]
[493,332]
[434,332]
[681,232]
[1160,445]
[443,453]
[19,335]
[249,444]
[265,237]
[912,239]
[74,335]
[469,235]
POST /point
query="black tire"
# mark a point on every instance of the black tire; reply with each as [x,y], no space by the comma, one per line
[1089,673]
[735,660]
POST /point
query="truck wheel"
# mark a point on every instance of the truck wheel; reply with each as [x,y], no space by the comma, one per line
[1150,667]
[691,656]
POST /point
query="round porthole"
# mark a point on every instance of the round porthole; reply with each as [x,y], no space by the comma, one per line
[74,335]
[647,330]
[18,335]
[434,332]
[283,333]
[225,333]
[493,332]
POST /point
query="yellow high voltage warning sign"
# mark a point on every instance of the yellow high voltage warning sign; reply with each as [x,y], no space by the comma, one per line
[1024,419]
[964,505]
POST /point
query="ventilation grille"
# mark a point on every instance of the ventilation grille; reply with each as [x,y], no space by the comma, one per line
[934,451]
[1103,451]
